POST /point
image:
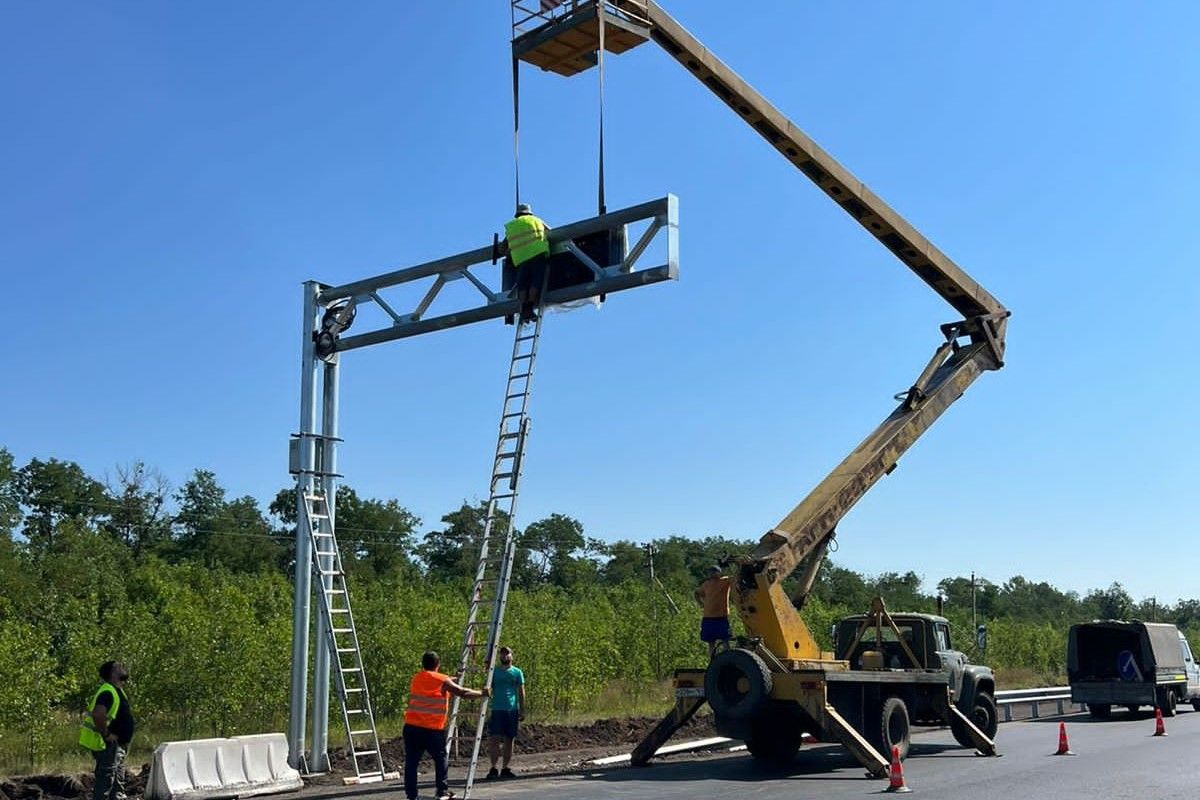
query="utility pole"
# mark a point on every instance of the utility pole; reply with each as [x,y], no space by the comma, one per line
[974,614]
[650,550]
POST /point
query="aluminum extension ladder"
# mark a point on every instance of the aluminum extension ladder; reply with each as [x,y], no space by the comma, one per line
[345,656]
[493,573]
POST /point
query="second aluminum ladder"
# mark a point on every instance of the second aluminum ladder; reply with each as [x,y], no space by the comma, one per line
[493,572]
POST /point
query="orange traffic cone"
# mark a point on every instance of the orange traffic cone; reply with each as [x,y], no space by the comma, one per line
[1159,728]
[896,774]
[1064,749]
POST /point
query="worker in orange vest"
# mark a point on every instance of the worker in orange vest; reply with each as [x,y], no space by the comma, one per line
[425,723]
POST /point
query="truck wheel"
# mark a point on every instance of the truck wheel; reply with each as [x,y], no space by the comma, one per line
[1167,702]
[893,730]
[983,716]
[1196,705]
[1134,708]
[737,684]
[1100,710]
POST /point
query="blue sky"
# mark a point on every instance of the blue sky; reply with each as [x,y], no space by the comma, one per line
[171,173]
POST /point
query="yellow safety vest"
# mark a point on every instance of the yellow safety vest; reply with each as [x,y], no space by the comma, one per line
[89,737]
[526,237]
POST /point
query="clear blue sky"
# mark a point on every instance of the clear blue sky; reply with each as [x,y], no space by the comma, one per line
[171,172]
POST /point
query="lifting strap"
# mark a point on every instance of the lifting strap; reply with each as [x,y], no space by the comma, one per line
[600,66]
[516,90]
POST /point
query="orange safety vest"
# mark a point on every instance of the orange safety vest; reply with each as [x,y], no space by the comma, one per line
[428,700]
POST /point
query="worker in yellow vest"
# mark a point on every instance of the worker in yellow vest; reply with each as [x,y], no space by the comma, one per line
[527,242]
[425,723]
[107,730]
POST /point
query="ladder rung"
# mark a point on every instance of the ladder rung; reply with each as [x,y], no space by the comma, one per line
[323,535]
[509,435]
[328,572]
[316,515]
[521,356]
[335,591]
[498,475]
[362,732]
[343,630]
[339,611]
[519,375]
[351,669]
[324,553]
[350,690]
[318,498]
[509,454]
[365,753]
[508,397]
[355,710]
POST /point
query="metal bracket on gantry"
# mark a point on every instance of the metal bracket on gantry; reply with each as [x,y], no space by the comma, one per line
[589,258]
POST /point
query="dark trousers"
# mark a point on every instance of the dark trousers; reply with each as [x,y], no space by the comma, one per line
[531,279]
[110,773]
[418,741]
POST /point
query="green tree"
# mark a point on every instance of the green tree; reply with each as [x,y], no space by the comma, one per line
[373,535]
[54,491]
[138,512]
[10,496]
[451,553]
[214,532]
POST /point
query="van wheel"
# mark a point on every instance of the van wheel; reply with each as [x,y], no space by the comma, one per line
[893,730]
[1100,710]
[1167,702]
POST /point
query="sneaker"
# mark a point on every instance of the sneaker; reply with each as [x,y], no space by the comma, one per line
[507,773]
[493,773]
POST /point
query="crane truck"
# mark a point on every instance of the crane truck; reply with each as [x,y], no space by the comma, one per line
[778,684]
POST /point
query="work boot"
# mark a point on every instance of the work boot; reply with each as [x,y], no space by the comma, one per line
[493,773]
[507,773]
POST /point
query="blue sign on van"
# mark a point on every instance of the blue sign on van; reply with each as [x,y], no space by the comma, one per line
[1127,666]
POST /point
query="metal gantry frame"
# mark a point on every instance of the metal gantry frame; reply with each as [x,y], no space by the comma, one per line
[328,311]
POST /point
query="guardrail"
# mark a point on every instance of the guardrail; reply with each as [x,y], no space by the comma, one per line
[1059,695]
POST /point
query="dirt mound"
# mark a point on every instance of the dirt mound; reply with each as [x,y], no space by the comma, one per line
[66,787]
[37,787]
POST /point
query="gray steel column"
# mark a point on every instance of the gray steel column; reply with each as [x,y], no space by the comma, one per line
[303,569]
[329,432]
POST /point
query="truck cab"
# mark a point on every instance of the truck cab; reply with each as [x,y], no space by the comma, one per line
[927,637]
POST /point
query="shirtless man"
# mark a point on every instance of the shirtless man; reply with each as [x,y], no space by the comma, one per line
[713,597]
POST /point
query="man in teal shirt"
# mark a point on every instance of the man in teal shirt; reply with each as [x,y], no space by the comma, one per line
[508,708]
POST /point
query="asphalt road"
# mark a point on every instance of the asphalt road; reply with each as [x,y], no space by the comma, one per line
[1116,758]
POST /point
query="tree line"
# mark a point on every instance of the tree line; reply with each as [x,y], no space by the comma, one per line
[191,587]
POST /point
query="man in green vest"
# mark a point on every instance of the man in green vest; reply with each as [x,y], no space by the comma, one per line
[527,242]
[107,731]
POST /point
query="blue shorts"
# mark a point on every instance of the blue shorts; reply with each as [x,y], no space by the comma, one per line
[503,723]
[715,629]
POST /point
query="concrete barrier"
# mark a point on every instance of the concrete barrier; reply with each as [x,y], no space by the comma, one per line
[205,769]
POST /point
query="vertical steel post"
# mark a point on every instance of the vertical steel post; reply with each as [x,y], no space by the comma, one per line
[329,432]
[303,569]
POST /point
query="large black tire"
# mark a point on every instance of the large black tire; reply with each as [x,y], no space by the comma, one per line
[1100,710]
[774,739]
[737,684]
[1196,705]
[1134,708]
[891,729]
[1167,702]
[983,715]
